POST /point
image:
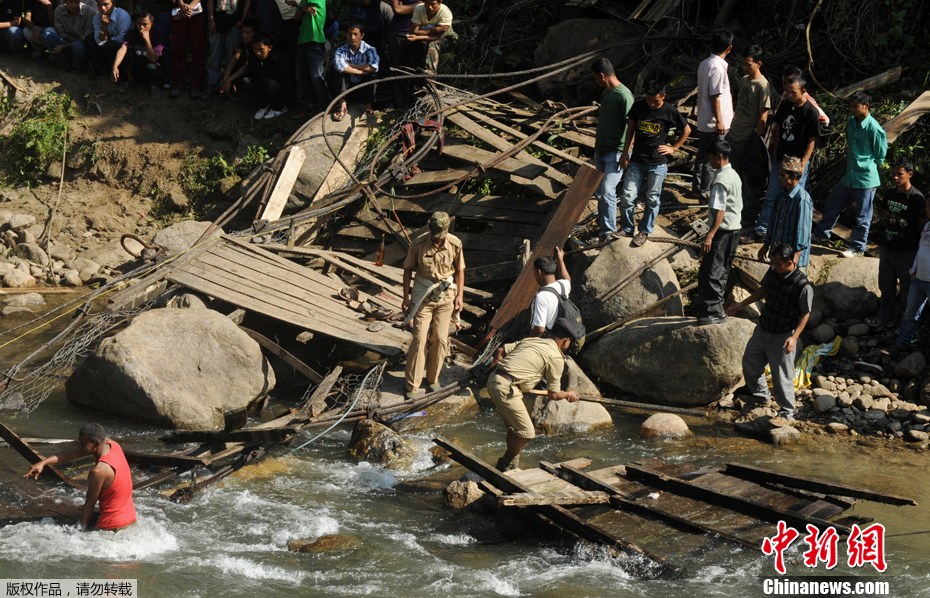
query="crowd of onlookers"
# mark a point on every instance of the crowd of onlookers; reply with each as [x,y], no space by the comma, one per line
[275,53]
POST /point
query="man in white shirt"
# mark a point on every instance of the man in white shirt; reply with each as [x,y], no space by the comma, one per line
[714,107]
[551,274]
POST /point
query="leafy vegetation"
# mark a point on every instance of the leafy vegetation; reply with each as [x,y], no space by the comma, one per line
[36,140]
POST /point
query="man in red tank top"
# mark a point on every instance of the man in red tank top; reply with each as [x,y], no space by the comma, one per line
[109,481]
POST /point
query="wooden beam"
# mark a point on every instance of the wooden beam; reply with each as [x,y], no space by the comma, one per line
[763,475]
[350,154]
[907,117]
[316,404]
[50,472]
[154,460]
[741,504]
[286,356]
[532,499]
[282,187]
[481,158]
[559,515]
[874,82]
[515,133]
[566,216]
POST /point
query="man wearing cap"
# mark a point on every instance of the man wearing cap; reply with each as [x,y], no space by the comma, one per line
[519,367]
[436,265]
[792,215]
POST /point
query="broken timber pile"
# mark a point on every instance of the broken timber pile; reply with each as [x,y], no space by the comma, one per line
[662,511]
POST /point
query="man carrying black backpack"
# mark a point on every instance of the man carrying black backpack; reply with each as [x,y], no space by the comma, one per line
[554,282]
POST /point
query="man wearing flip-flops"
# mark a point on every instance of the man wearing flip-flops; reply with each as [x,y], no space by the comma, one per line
[436,267]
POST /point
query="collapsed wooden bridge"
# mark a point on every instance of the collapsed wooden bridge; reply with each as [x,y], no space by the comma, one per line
[662,511]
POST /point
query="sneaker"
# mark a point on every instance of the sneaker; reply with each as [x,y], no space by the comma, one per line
[271,113]
[707,320]
[435,387]
[155,92]
[851,253]
[640,239]
[175,92]
[413,395]
[261,112]
[123,86]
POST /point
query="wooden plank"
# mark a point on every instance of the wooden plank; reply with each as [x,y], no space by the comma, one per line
[526,499]
[873,82]
[155,460]
[350,154]
[513,132]
[560,226]
[750,507]
[285,183]
[761,474]
[907,117]
[561,516]
[285,356]
[316,403]
[437,177]
[482,158]
[49,472]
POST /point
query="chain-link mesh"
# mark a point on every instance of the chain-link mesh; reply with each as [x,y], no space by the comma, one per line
[25,393]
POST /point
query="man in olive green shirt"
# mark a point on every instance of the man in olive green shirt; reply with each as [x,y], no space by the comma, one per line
[520,366]
[866,146]
[608,145]
[312,93]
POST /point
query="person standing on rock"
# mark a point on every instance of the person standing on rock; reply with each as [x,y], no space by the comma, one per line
[436,267]
[616,101]
[519,367]
[650,124]
[866,146]
[554,281]
[109,480]
[919,291]
[788,299]
[723,217]
[714,107]
[792,214]
[903,210]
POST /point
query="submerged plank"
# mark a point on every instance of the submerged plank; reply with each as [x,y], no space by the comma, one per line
[525,499]
[50,472]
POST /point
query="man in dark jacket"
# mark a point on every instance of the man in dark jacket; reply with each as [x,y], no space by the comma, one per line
[268,79]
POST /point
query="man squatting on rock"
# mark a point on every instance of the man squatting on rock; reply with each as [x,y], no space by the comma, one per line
[436,265]
[109,481]
[519,367]
[554,280]
[788,298]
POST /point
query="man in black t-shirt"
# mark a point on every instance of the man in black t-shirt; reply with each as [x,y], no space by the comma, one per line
[903,215]
[795,133]
[11,25]
[650,123]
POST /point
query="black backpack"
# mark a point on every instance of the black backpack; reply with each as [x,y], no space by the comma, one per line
[567,309]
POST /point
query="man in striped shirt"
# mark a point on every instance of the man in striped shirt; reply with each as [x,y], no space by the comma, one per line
[354,62]
[791,216]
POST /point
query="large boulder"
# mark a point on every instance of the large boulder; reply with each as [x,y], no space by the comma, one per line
[664,425]
[671,361]
[377,443]
[182,235]
[31,252]
[849,287]
[553,418]
[596,272]
[572,37]
[181,368]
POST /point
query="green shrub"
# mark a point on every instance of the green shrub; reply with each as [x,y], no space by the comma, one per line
[200,178]
[36,139]
[255,156]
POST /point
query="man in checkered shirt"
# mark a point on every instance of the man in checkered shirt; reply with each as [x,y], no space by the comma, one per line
[354,62]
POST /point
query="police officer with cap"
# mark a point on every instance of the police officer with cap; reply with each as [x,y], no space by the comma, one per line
[435,265]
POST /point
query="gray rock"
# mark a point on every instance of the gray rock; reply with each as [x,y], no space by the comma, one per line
[459,494]
[71,278]
[916,436]
[882,404]
[836,428]
[821,381]
[911,366]
[6,268]
[375,442]
[182,235]
[823,334]
[860,329]
[17,279]
[921,417]
[329,543]
[82,264]
[36,272]
[664,425]
[640,357]
[554,418]
[20,222]
[24,300]
[596,272]
[894,426]
[878,390]
[31,252]
[784,435]
[850,346]
[180,368]
[823,401]
[850,287]
[5,216]
[863,402]
[13,310]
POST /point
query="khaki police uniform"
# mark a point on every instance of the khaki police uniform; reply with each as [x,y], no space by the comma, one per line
[523,365]
[431,265]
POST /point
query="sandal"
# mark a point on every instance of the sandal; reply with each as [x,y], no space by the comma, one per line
[338,116]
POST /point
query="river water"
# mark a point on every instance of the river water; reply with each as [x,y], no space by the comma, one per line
[231,540]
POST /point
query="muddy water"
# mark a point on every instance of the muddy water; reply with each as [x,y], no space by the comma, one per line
[231,540]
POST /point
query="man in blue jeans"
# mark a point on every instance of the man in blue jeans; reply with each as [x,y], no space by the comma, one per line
[12,33]
[918,293]
[866,146]
[311,50]
[611,130]
[649,125]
